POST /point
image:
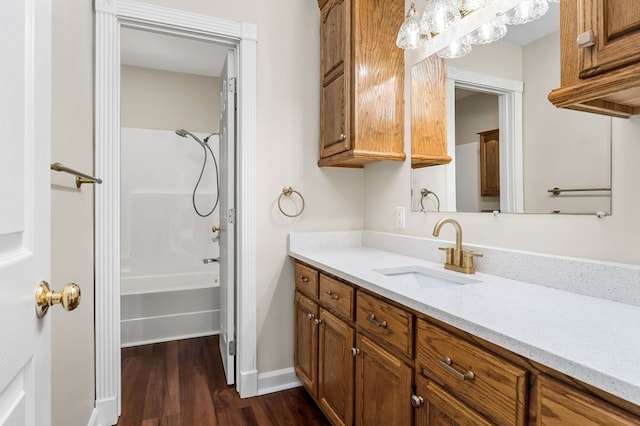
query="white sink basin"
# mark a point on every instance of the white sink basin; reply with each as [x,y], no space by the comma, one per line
[426,277]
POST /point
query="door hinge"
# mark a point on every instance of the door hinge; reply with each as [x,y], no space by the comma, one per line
[233,85]
[232,348]
[231,216]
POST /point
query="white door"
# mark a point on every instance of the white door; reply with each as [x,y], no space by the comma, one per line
[25,75]
[227,217]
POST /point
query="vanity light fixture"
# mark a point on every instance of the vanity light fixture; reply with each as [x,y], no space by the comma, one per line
[441,15]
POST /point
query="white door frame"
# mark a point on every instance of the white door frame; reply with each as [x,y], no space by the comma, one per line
[110,15]
[510,123]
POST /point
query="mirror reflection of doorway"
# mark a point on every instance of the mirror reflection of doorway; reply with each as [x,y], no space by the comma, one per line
[477,151]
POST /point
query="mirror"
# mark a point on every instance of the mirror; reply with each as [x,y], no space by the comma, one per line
[510,146]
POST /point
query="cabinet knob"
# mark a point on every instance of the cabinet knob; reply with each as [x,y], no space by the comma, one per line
[342,136]
[355,351]
[586,39]
[318,321]
[310,317]
[417,401]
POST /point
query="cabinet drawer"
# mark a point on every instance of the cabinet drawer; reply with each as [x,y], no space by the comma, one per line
[306,280]
[559,404]
[336,296]
[489,384]
[381,319]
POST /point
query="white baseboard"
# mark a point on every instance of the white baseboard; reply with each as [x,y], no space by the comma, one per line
[93,420]
[277,380]
[169,338]
[248,383]
[106,412]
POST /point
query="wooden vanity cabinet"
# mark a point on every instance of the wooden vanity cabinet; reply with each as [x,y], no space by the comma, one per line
[362,82]
[602,77]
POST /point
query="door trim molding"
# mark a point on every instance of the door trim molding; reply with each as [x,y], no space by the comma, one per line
[110,16]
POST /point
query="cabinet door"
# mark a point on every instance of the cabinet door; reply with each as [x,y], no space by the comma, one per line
[305,354]
[562,405]
[490,163]
[383,386]
[335,369]
[615,26]
[439,408]
[335,39]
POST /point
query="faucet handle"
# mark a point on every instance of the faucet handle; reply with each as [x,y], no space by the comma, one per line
[467,258]
[449,254]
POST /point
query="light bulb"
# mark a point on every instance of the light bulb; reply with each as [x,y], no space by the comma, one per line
[411,34]
[455,50]
[489,32]
[439,15]
[527,11]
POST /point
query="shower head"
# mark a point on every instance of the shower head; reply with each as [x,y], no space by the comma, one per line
[184,133]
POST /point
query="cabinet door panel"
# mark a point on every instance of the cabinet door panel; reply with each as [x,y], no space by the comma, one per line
[334,32]
[334,136]
[616,27]
[383,386]
[335,369]
[306,343]
[442,409]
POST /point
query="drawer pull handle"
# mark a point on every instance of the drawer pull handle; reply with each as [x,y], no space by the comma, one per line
[331,295]
[446,363]
[310,317]
[303,278]
[372,318]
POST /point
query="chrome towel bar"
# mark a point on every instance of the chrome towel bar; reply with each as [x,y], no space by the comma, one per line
[80,177]
[557,191]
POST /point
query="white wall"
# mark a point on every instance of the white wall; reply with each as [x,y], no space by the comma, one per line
[72,352]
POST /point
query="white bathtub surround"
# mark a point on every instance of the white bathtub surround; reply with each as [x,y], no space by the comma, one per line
[586,337]
[167,292]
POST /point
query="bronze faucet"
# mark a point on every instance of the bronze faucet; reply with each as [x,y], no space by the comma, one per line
[457,259]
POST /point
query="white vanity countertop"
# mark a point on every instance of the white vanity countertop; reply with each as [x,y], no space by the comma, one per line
[594,340]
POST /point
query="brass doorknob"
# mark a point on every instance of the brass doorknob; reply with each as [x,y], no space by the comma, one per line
[69,297]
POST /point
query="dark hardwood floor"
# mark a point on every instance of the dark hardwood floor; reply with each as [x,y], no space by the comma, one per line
[182,383]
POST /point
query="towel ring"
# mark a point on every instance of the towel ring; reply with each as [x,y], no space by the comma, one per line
[286,192]
[425,192]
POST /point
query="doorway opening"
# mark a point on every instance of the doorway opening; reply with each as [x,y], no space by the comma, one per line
[111,18]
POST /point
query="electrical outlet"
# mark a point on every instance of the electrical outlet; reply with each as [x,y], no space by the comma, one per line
[400,218]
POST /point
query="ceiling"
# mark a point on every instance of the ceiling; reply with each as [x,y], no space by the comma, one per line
[180,54]
[171,53]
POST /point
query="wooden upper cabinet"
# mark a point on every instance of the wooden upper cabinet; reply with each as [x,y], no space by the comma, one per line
[490,163]
[362,87]
[603,75]
[429,113]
